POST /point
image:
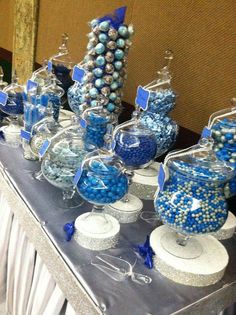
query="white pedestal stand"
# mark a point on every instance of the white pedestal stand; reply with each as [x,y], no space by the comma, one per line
[125,212]
[228,229]
[205,269]
[144,182]
[96,231]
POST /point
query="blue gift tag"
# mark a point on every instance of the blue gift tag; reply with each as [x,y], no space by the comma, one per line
[142,98]
[161,177]
[77,176]
[83,123]
[78,74]
[206,133]
[3,98]
[44,148]
[25,135]
[31,85]
[49,66]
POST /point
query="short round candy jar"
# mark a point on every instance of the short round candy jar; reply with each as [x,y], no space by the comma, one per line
[102,182]
[136,146]
[191,202]
[61,161]
[14,108]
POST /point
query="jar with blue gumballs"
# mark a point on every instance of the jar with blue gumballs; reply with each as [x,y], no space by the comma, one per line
[76,98]
[101,182]
[190,198]
[161,102]
[136,146]
[63,156]
[62,65]
[97,120]
[223,130]
[13,107]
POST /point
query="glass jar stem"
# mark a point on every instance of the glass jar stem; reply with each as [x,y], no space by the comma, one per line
[98,209]
[68,194]
[182,239]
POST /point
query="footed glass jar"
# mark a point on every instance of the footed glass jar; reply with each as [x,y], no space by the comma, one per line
[101,182]
[75,98]
[97,120]
[161,102]
[62,64]
[223,130]
[192,199]
[135,145]
[61,161]
[14,108]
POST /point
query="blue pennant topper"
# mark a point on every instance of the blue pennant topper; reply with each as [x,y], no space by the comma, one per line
[78,74]
[3,98]
[31,85]
[206,132]
[116,18]
[142,98]
[50,66]
[44,148]
[161,177]
[26,135]
[77,176]
[146,251]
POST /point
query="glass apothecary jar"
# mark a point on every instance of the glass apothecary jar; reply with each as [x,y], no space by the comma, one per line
[223,130]
[102,182]
[96,121]
[61,161]
[62,64]
[191,200]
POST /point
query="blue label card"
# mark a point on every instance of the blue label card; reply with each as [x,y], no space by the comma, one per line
[78,74]
[206,133]
[3,98]
[31,85]
[142,98]
[44,148]
[49,66]
[83,123]
[25,135]
[77,176]
[161,177]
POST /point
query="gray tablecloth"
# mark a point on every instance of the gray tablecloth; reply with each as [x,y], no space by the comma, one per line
[161,297]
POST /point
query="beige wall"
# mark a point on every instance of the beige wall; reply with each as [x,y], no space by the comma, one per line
[6,24]
[202,34]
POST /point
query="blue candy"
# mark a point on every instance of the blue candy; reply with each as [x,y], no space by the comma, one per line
[102,184]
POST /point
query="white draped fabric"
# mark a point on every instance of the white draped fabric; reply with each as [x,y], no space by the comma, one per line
[26,285]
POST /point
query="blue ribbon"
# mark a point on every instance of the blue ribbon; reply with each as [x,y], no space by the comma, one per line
[146,252]
[2,135]
[69,228]
[116,18]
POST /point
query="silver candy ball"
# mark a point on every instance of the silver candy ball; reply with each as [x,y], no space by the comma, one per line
[105,91]
[108,79]
[103,100]
[93,41]
[117,101]
[96,30]
[90,64]
[109,56]
[109,68]
[112,33]
[111,45]
[89,76]
[92,52]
